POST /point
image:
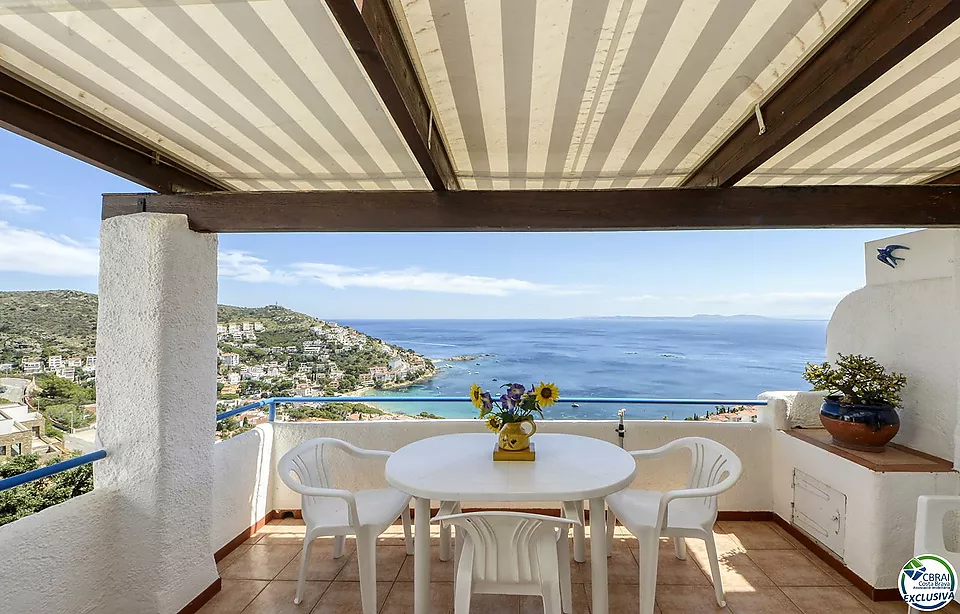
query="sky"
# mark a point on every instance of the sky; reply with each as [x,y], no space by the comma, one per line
[50,220]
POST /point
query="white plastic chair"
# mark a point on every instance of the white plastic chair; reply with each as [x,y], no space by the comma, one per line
[508,553]
[331,511]
[928,537]
[690,512]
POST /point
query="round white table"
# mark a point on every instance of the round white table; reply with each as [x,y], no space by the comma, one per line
[460,467]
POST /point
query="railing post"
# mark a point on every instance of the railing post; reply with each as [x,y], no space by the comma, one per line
[273,411]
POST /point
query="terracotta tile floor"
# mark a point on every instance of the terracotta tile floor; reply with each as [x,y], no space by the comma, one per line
[763,568]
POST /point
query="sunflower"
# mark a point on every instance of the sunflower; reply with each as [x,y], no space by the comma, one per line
[494,424]
[476,396]
[547,394]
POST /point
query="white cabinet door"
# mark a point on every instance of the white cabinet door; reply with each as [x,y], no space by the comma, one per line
[820,511]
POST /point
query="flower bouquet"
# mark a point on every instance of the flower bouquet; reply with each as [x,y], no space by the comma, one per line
[511,415]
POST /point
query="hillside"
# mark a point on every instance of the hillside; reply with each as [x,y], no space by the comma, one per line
[64,322]
[57,321]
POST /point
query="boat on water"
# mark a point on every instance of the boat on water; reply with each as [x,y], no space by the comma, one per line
[574,405]
[494,379]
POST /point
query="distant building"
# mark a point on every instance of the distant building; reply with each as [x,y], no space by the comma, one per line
[91,364]
[230,359]
[247,327]
[221,328]
[258,327]
[291,349]
[366,379]
[20,431]
[76,362]
[32,366]
[233,378]
[54,362]
[234,328]
[6,366]
[67,373]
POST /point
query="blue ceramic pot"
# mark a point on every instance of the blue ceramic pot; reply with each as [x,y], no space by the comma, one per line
[859,427]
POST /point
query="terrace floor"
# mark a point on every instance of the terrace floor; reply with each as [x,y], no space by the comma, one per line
[765,570]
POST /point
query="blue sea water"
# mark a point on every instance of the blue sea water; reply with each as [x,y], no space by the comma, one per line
[707,358]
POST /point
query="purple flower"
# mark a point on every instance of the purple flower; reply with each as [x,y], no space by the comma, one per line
[487,400]
[506,402]
[516,391]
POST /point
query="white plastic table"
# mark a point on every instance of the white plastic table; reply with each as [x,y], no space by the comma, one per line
[460,467]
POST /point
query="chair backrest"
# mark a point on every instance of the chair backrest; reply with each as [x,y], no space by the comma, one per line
[306,463]
[508,547]
[713,468]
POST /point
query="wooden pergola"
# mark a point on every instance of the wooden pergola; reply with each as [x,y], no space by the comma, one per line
[459,115]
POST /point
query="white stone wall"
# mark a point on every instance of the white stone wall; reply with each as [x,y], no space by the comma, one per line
[156,393]
[64,558]
[908,319]
[751,442]
[881,507]
[242,492]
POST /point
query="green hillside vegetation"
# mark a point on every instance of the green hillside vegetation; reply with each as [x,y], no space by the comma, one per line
[47,323]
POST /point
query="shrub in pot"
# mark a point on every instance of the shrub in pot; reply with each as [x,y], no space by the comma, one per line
[860,410]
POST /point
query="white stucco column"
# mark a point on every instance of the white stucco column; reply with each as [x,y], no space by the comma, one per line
[156,396]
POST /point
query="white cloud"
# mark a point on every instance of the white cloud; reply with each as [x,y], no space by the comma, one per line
[20,186]
[17,204]
[31,251]
[243,266]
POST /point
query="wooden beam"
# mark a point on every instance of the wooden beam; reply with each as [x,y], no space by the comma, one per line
[883,33]
[660,209]
[35,115]
[374,35]
[951,178]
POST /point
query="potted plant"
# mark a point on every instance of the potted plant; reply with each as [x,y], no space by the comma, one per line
[511,416]
[860,410]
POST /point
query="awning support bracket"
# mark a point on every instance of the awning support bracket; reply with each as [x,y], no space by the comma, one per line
[759,114]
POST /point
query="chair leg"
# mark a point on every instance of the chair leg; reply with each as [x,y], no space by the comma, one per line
[552,598]
[446,541]
[462,590]
[681,548]
[304,558]
[611,527]
[566,588]
[407,531]
[339,541]
[649,542]
[367,561]
[580,536]
[715,568]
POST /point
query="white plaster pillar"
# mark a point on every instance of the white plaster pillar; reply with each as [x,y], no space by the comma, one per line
[156,398]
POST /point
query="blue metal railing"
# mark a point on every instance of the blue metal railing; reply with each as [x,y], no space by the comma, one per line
[44,472]
[272,402]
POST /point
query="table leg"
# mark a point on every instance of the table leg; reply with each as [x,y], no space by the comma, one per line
[598,555]
[421,557]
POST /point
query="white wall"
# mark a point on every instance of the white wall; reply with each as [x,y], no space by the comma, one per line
[62,559]
[907,318]
[881,507]
[241,487]
[751,442]
[156,393]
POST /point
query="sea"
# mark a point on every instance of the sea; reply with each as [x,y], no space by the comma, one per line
[663,358]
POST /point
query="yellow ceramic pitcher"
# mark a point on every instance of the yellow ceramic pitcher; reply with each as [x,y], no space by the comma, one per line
[516,435]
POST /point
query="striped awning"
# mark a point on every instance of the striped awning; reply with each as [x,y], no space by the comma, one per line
[262,95]
[527,94]
[589,94]
[901,129]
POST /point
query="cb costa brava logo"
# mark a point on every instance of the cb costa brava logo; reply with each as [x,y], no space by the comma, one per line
[928,582]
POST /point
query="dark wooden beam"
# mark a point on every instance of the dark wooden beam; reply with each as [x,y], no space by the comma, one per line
[883,33]
[373,33]
[35,115]
[660,209]
[951,178]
